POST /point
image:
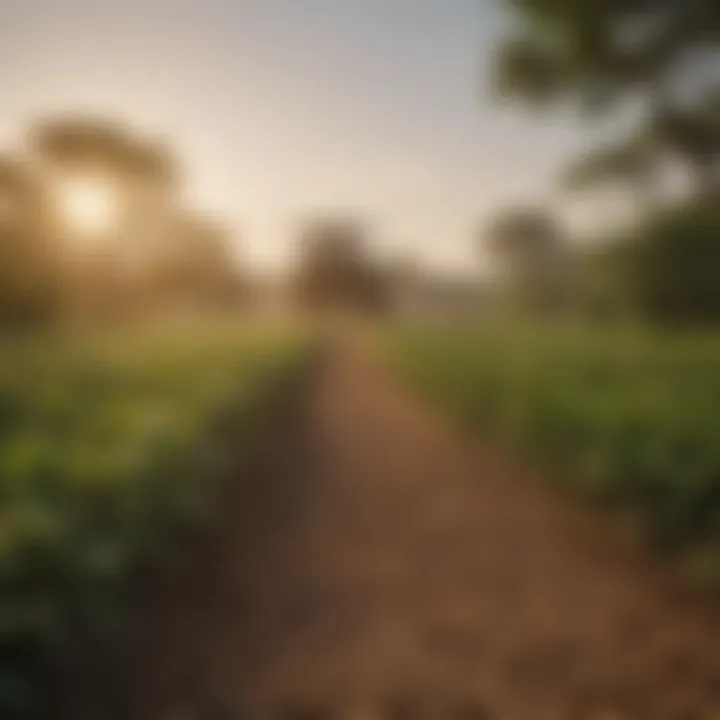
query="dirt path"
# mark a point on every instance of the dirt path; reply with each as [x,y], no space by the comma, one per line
[381,568]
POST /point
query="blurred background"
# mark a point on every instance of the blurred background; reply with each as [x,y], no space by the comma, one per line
[514,202]
[459,142]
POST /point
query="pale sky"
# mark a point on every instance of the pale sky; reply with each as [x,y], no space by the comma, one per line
[283,107]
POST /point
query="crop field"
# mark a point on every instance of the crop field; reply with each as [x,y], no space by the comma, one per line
[625,417]
[109,447]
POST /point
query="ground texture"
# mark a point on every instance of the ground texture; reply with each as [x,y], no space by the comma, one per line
[381,566]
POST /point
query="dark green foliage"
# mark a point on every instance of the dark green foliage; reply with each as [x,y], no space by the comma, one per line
[604,281]
[676,265]
[607,55]
[107,451]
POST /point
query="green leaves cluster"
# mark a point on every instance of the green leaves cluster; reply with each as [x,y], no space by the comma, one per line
[107,452]
[656,55]
[604,49]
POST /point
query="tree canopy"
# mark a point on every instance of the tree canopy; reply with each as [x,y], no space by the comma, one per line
[601,54]
[335,270]
[92,221]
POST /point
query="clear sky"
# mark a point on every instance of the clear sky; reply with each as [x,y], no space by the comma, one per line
[283,107]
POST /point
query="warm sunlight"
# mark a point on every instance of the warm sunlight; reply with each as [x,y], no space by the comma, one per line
[360,359]
[89,207]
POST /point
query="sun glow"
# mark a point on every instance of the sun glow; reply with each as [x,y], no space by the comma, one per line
[88,207]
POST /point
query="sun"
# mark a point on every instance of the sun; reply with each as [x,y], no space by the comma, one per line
[88,207]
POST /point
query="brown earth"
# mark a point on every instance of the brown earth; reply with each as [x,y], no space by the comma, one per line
[381,566]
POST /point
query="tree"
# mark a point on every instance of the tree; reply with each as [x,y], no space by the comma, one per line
[674,264]
[335,270]
[604,53]
[140,176]
[528,250]
[633,161]
[143,174]
[91,224]
[28,259]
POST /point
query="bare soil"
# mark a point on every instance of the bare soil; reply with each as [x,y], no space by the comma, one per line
[382,566]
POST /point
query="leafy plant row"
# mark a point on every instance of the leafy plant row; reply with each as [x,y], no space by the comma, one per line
[626,417]
[107,450]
